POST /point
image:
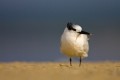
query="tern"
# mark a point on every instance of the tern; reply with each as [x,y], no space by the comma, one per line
[74,42]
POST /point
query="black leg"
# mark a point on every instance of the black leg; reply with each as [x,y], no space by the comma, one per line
[70,62]
[80,61]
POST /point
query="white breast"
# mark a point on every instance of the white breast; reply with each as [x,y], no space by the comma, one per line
[73,45]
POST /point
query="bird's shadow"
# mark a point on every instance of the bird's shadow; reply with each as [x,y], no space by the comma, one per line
[64,65]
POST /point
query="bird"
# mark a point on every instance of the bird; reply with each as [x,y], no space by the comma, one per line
[74,42]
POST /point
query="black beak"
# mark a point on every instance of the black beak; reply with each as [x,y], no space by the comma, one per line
[84,32]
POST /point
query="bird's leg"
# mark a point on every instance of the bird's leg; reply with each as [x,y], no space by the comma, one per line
[80,61]
[70,62]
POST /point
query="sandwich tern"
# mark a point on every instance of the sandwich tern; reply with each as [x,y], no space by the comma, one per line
[74,42]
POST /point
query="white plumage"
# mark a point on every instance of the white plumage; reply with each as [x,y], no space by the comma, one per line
[74,42]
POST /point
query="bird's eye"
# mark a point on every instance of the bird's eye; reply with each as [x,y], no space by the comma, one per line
[74,29]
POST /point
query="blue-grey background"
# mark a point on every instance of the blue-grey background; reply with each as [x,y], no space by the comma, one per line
[30,30]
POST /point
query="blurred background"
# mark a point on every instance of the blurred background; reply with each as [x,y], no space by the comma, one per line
[30,30]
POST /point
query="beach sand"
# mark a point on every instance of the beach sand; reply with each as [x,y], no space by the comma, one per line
[59,71]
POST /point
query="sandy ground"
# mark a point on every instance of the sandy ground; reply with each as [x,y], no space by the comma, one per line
[59,71]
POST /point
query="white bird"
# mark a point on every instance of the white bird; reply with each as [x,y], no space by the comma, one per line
[74,42]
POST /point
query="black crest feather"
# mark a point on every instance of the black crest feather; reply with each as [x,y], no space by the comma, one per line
[70,26]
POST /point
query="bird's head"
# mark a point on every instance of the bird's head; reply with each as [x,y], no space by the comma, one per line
[76,28]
